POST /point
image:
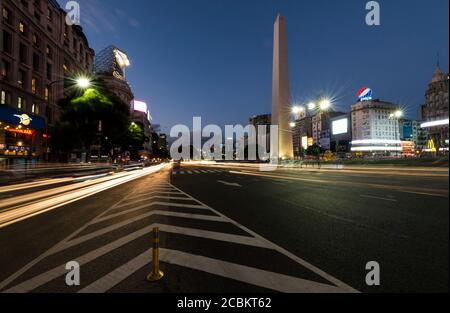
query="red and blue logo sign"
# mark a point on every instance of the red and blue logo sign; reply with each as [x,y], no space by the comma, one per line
[365,94]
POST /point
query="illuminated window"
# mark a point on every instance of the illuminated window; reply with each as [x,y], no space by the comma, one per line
[49,14]
[65,67]
[35,108]
[35,39]
[46,94]
[34,87]
[22,27]
[5,97]
[5,69]
[21,103]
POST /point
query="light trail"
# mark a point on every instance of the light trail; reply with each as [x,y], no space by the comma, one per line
[51,200]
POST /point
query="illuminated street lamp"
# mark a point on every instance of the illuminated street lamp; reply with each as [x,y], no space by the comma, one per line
[83,82]
[292,124]
[298,109]
[325,104]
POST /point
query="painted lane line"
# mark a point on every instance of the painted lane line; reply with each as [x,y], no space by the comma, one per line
[29,265]
[173,192]
[283,251]
[257,277]
[44,278]
[246,274]
[135,201]
[111,228]
[378,198]
[118,275]
[229,184]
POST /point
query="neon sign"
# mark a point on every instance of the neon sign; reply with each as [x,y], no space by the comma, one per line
[28,132]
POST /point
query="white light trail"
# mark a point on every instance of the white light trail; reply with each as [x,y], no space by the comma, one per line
[434,123]
[376,141]
[376,148]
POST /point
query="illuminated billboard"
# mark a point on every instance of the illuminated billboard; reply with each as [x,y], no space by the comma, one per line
[140,106]
[340,127]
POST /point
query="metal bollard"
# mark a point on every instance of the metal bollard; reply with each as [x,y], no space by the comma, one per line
[156,273]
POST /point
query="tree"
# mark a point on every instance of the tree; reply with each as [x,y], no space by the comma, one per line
[313,150]
[135,139]
[96,116]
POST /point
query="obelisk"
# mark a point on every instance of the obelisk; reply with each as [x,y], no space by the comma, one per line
[281,104]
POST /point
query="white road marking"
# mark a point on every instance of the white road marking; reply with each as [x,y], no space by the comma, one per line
[60,270]
[379,198]
[134,201]
[173,192]
[229,184]
[249,275]
[246,274]
[283,251]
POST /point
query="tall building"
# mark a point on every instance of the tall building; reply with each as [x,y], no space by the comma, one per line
[321,127]
[435,118]
[110,65]
[302,135]
[375,128]
[281,104]
[38,51]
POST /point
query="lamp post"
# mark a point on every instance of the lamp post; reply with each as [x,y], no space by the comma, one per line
[396,116]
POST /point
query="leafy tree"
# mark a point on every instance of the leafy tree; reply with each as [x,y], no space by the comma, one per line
[96,116]
[313,150]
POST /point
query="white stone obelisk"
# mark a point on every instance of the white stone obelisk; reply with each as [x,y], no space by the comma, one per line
[281,104]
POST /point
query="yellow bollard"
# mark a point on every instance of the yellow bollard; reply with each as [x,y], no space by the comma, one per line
[156,273]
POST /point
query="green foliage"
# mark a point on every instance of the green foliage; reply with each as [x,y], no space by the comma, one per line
[313,150]
[78,128]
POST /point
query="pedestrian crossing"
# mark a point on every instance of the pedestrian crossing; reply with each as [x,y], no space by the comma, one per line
[197,171]
[116,245]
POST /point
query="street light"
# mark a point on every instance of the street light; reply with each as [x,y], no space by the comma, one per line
[325,104]
[298,109]
[292,124]
[83,82]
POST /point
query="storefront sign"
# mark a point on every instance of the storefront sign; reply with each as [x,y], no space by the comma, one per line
[12,116]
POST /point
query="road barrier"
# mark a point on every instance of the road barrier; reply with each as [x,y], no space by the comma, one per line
[156,273]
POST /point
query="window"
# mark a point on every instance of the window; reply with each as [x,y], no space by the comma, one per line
[49,71]
[5,97]
[35,40]
[47,93]
[49,14]
[49,52]
[21,104]
[36,62]
[65,67]
[23,54]
[21,78]
[34,86]
[6,15]
[7,42]
[5,70]
[22,28]
[35,108]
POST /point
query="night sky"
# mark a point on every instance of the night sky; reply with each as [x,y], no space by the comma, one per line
[213,58]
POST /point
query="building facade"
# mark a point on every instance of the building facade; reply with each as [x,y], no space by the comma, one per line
[110,65]
[435,117]
[39,54]
[260,120]
[302,135]
[375,128]
[321,128]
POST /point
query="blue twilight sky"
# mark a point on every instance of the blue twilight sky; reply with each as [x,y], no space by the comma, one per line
[213,58]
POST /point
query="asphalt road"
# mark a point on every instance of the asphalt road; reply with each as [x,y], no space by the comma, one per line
[233,229]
